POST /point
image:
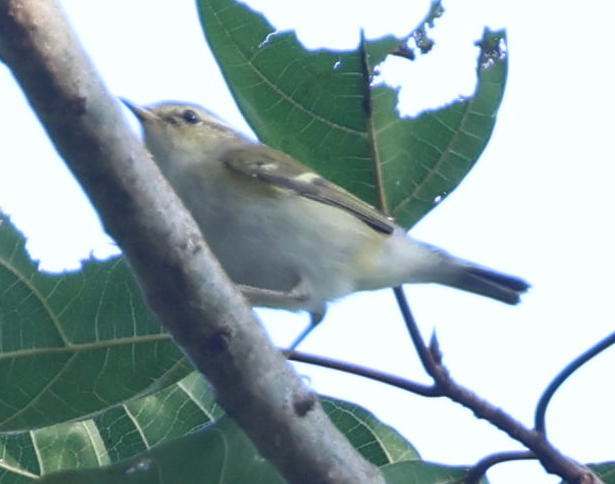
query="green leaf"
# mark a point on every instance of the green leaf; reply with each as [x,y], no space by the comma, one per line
[219,453]
[377,442]
[419,472]
[74,344]
[160,428]
[121,433]
[322,108]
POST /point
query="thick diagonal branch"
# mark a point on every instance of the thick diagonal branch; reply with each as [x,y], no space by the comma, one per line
[181,280]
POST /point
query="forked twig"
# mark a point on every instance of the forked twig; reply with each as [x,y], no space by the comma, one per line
[551,459]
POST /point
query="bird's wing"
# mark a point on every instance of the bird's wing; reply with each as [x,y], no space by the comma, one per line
[284,172]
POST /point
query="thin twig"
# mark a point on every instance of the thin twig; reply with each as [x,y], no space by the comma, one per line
[412,327]
[551,459]
[393,380]
[476,473]
[545,399]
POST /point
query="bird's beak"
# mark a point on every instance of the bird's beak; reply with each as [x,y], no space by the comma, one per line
[143,114]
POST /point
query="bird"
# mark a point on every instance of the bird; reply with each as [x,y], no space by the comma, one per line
[288,237]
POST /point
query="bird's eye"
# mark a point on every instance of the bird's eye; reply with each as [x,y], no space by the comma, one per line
[190,116]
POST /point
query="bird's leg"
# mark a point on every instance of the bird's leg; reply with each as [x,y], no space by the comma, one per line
[315,318]
[297,293]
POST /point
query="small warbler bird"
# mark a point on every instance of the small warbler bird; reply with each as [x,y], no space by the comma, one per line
[290,238]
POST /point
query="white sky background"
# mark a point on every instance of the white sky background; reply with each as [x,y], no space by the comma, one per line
[537,205]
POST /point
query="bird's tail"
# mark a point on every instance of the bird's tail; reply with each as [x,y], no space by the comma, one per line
[406,260]
[486,282]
